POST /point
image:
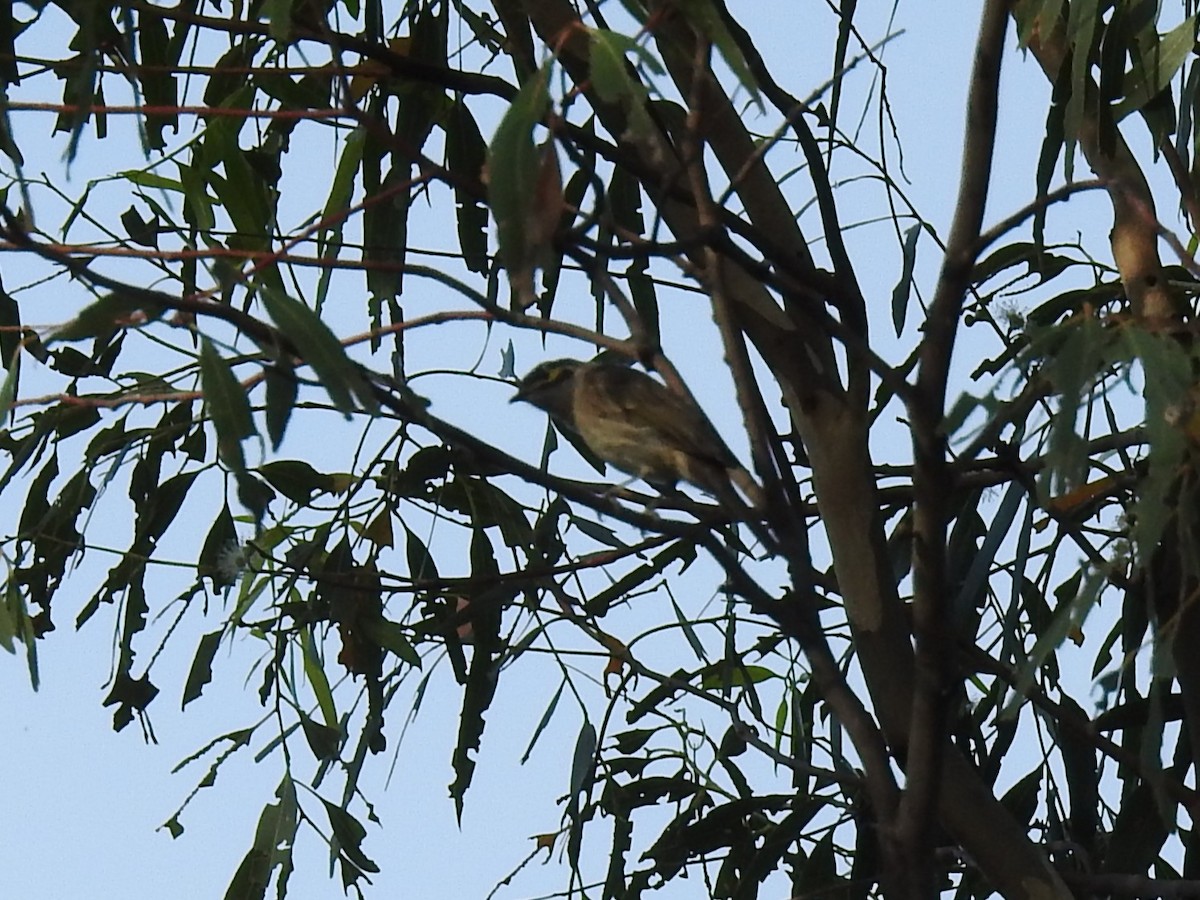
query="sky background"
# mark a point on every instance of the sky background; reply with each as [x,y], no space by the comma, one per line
[84,805]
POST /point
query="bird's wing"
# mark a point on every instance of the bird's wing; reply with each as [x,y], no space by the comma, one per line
[643,400]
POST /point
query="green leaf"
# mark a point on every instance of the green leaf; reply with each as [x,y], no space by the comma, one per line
[157,81]
[350,834]
[384,223]
[279,15]
[12,611]
[323,740]
[70,362]
[420,563]
[973,584]
[341,191]
[1081,768]
[391,636]
[1021,799]
[597,532]
[109,313]
[321,349]
[272,848]
[151,180]
[222,539]
[903,288]
[629,742]
[614,83]
[246,198]
[489,506]
[7,143]
[8,391]
[201,671]
[296,479]
[162,506]
[15,622]
[513,168]
[8,52]
[689,632]
[703,15]
[543,722]
[720,675]
[1138,830]
[253,493]
[466,155]
[10,333]
[227,405]
[583,760]
[679,551]
[282,388]
[197,205]
[482,680]
[846,30]
[37,502]
[1082,20]
[1158,67]
[1076,598]
[315,673]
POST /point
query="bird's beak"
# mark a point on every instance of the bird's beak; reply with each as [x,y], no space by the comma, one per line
[519,395]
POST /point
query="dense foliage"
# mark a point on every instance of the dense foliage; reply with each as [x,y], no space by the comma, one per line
[274,333]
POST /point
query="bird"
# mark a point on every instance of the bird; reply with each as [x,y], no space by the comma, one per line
[636,424]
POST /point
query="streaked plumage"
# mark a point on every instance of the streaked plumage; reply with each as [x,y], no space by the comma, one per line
[635,423]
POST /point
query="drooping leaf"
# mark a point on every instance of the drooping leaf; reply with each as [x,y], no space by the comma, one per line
[513,168]
[1053,145]
[384,222]
[220,541]
[480,689]
[8,391]
[341,190]
[253,493]
[282,389]
[901,291]
[1158,67]
[279,17]
[158,83]
[379,530]
[227,405]
[201,671]
[8,55]
[420,563]
[583,762]
[543,722]
[391,636]
[320,348]
[466,155]
[10,329]
[613,81]
[162,506]
[324,741]
[973,584]
[350,834]
[272,848]
[315,673]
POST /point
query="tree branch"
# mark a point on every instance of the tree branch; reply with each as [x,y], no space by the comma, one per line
[932,475]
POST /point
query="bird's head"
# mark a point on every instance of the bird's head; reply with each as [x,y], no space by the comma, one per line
[548,386]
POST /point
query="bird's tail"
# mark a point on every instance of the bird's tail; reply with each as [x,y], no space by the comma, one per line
[747,485]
